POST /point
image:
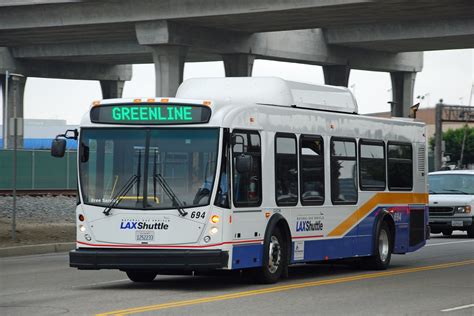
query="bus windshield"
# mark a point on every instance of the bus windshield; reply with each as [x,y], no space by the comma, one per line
[145,161]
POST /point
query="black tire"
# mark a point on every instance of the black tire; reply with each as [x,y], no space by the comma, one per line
[141,276]
[383,247]
[275,258]
[447,232]
[470,231]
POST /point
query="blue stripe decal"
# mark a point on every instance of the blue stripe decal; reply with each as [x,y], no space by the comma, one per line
[247,256]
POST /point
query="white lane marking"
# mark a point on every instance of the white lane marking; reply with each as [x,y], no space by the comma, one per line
[449,242]
[457,308]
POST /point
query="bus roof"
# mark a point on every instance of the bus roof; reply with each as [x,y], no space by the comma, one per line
[269,91]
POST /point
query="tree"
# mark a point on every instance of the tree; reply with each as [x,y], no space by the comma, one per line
[453,139]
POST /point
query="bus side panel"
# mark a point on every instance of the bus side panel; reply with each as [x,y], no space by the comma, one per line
[365,234]
[247,256]
[401,219]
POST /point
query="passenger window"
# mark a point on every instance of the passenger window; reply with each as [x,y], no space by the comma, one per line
[372,165]
[286,170]
[343,171]
[312,170]
[247,171]
[400,166]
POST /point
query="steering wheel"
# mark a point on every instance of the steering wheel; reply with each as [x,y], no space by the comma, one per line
[201,193]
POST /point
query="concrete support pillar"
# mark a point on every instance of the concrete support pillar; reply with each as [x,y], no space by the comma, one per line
[13,108]
[169,68]
[112,89]
[336,75]
[238,65]
[403,85]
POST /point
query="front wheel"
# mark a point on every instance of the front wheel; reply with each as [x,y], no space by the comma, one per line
[141,276]
[470,231]
[275,258]
[447,232]
[382,249]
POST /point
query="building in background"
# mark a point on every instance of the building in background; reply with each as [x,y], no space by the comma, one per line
[39,133]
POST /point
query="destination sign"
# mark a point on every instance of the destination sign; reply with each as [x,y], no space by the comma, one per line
[144,114]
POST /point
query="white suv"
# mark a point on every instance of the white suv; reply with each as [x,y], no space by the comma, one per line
[451,201]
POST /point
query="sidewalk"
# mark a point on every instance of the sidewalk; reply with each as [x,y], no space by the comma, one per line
[36,249]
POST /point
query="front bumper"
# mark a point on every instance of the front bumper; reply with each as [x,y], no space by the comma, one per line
[450,222]
[149,259]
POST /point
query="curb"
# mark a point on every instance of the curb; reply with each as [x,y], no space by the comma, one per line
[36,249]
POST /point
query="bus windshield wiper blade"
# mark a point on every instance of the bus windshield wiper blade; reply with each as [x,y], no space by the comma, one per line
[126,187]
[171,194]
[119,195]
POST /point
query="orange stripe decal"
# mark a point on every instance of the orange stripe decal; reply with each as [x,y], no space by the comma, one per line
[384,198]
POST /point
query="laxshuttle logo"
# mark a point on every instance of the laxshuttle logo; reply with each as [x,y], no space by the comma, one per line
[307,226]
[143,225]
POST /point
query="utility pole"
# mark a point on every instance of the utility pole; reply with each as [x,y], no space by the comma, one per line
[15,124]
[438,136]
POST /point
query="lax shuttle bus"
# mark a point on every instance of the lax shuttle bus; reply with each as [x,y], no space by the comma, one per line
[245,173]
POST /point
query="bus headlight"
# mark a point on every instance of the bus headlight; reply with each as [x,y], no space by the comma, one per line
[214,230]
[463,209]
[82,228]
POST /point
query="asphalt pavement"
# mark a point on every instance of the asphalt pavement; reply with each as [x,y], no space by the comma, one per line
[438,279]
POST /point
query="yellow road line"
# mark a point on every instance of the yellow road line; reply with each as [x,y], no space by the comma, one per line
[281,288]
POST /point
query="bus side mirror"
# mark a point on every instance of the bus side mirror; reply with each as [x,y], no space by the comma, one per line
[243,163]
[58,147]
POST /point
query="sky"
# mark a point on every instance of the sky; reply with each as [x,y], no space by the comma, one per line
[446,74]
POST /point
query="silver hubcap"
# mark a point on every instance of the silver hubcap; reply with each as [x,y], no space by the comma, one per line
[383,245]
[274,255]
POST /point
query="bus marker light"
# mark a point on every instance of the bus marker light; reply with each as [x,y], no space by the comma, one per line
[230,219]
[214,230]
[267,214]
[207,103]
[165,100]
[137,100]
[81,217]
[215,219]
[82,228]
[150,100]
[96,103]
[207,239]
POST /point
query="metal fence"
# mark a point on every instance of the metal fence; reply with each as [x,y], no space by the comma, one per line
[37,169]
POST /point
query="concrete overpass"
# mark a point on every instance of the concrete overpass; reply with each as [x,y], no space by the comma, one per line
[96,40]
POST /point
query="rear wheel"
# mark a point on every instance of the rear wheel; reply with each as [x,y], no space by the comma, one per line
[141,276]
[382,249]
[275,259]
[447,232]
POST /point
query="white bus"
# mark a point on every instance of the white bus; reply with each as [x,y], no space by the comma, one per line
[245,173]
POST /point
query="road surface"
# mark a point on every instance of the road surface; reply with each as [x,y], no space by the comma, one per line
[438,279]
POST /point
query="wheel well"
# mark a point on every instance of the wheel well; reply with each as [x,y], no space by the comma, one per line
[282,225]
[391,225]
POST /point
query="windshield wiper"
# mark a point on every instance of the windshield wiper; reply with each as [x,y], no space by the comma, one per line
[176,202]
[118,197]
[432,192]
[455,190]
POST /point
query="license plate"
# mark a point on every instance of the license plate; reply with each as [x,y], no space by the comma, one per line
[145,236]
[457,223]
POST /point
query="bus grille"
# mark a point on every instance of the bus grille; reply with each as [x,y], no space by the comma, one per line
[417,226]
[441,211]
